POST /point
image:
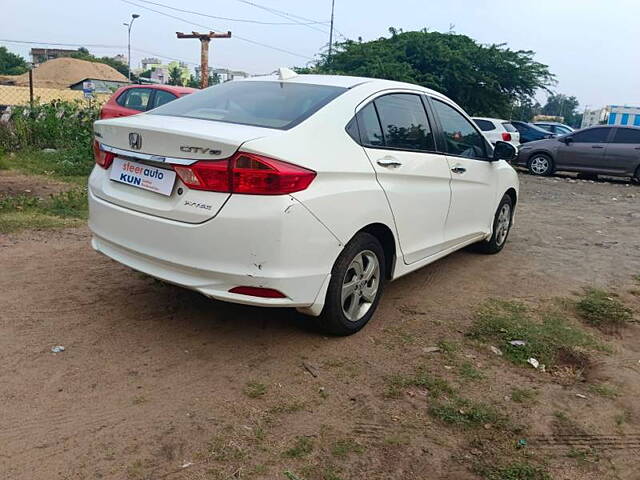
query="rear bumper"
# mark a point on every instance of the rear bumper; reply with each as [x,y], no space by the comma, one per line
[271,242]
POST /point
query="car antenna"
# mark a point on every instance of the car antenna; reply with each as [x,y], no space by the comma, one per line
[285,73]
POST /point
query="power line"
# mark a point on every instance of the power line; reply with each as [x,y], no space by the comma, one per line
[244,39]
[92,45]
[283,14]
[224,18]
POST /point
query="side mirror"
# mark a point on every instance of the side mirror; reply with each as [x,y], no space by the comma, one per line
[566,140]
[504,151]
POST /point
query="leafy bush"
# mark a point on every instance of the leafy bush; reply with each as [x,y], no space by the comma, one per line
[59,125]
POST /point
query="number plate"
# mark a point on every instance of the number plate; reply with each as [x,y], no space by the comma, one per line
[158,180]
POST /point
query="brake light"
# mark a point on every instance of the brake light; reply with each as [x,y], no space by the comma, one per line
[506,136]
[246,173]
[258,292]
[102,158]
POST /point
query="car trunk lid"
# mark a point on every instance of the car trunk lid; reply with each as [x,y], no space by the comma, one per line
[148,146]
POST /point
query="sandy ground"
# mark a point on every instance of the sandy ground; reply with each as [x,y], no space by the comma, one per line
[153,381]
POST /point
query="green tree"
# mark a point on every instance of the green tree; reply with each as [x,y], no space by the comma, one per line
[560,105]
[193,82]
[11,64]
[484,79]
[175,76]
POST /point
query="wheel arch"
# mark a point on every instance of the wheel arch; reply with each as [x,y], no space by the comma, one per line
[513,194]
[388,241]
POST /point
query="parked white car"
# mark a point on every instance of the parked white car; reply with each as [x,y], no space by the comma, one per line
[497,130]
[298,191]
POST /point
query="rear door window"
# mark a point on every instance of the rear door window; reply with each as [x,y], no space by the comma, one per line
[270,104]
[509,128]
[627,135]
[370,130]
[404,122]
[593,135]
[461,138]
[161,97]
[484,125]
[137,99]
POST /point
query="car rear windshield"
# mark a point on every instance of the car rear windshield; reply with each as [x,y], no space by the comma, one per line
[508,127]
[268,104]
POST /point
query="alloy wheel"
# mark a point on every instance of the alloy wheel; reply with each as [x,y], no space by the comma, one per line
[360,285]
[539,165]
[503,224]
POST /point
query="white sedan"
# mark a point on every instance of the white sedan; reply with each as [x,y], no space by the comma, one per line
[301,191]
[497,130]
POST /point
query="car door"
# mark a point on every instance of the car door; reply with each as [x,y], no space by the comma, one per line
[622,154]
[473,179]
[398,139]
[583,150]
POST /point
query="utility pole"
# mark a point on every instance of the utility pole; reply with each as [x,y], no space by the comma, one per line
[129,25]
[333,3]
[204,38]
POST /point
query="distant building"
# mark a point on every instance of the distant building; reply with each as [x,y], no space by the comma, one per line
[150,62]
[226,75]
[612,115]
[41,55]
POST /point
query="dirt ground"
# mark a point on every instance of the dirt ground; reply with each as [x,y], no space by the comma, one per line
[158,382]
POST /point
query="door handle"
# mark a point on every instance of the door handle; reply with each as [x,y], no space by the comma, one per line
[388,162]
[458,170]
[596,146]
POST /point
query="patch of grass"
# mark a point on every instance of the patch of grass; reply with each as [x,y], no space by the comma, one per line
[24,211]
[622,418]
[224,450]
[583,455]
[601,309]
[396,440]
[396,384]
[15,221]
[283,407]
[342,448]
[604,390]
[637,278]
[255,389]
[498,322]
[467,414]
[71,165]
[514,471]
[447,346]
[469,372]
[523,395]
[302,447]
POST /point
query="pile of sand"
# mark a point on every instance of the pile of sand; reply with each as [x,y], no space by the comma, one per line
[64,72]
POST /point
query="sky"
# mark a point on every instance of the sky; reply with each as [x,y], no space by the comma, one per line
[592,46]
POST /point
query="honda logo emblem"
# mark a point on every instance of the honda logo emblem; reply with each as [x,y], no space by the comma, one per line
[135,141]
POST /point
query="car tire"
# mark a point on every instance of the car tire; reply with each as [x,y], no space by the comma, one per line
[636,178]
[502,221]
[355,288]
[540,164]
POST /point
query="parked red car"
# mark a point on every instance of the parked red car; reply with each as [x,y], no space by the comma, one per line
[133,99]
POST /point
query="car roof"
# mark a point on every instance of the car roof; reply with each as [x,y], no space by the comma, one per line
[550,123]
[344,81]
[171,88]
[490,119]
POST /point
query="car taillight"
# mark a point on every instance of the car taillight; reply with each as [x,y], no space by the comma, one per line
[102,158]
[246,173]
[506,136]
[258,292]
